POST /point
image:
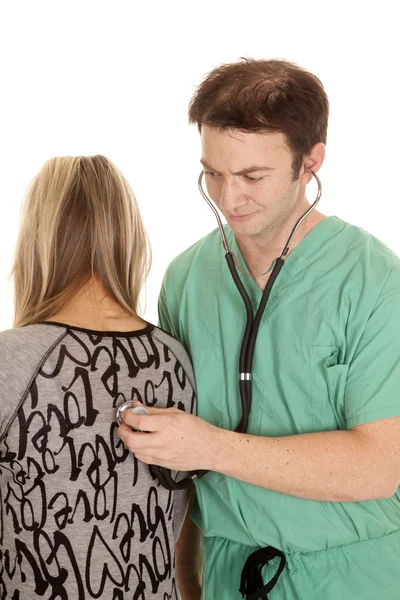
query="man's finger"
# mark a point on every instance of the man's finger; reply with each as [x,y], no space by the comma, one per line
[152,410]
[124,433]
[135,440]
[146,423]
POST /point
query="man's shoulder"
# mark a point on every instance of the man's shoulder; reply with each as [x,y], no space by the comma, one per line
[198,255]
[372,257]
[361,242]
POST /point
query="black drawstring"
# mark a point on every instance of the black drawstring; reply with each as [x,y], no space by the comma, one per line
[251,585]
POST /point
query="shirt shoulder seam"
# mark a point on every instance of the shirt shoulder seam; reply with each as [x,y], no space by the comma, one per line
[32,379]
[192,385]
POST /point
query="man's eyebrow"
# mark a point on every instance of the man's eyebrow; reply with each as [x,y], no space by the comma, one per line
[246,171]
[252,169]
[206,165]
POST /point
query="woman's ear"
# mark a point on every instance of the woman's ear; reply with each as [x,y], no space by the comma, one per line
[313,161]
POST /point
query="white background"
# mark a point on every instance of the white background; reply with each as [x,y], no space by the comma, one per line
[89,77]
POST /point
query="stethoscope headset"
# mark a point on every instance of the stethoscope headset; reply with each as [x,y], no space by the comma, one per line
[164,475]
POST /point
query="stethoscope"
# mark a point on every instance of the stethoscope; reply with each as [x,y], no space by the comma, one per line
[250,335]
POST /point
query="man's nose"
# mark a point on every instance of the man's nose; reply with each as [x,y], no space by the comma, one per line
[230,196]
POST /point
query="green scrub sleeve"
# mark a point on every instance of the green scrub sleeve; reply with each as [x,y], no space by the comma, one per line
[373,383]
[164,319]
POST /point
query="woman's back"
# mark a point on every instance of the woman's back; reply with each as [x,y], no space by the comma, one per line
[80,517]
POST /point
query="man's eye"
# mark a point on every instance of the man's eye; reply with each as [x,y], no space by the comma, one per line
[248,178]
[210,173]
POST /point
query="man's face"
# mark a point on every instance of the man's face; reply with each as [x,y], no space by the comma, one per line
[249,176]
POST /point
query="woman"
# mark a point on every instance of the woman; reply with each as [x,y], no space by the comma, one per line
[80,517]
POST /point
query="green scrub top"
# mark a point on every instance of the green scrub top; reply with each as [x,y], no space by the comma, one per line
[327,357]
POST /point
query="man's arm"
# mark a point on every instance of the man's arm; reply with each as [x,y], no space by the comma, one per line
[360,463]
[334,466]
[188,560]
[164,318]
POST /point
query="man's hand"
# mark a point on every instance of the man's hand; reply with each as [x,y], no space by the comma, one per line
[360,464]
[170,438]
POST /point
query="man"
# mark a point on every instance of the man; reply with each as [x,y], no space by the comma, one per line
[315,478]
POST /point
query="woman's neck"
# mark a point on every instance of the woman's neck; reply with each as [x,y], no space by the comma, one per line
[93,308]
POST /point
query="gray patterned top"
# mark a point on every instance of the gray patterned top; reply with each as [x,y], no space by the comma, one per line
[80,516]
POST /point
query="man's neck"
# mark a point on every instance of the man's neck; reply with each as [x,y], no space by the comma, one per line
[260,251]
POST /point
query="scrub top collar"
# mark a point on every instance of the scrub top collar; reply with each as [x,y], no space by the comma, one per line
[310,245]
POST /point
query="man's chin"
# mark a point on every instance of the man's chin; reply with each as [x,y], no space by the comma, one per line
[250,229]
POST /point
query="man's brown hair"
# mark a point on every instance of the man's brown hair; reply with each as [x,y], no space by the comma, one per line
[261,96]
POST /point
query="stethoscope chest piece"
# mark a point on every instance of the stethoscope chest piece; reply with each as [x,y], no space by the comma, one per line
[137,410]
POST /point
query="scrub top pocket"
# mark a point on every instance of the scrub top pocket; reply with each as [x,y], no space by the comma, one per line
[328,386]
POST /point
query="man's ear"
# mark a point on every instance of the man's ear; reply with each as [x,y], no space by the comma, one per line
[313,160]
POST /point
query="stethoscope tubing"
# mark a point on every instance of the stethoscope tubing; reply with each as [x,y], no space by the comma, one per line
[248,345]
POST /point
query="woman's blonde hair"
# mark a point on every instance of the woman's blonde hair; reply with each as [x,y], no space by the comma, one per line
[80,219]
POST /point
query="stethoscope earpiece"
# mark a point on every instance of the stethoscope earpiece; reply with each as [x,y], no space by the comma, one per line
[163,475]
